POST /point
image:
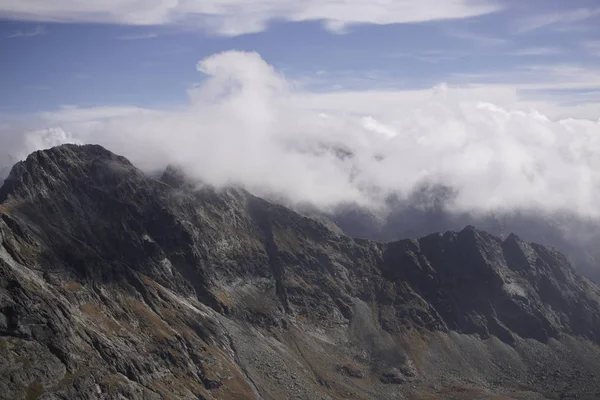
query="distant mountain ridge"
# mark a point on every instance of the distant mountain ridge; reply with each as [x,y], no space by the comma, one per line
[114,284]
[573,235]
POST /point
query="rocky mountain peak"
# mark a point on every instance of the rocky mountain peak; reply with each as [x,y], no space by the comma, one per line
[174,176]
[47,170]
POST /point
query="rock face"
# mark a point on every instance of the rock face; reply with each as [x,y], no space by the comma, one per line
[116,285]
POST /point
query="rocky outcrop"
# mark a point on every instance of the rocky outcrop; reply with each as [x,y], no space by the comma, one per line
[114,284]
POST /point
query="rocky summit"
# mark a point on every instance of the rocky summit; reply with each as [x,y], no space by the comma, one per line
[118,285]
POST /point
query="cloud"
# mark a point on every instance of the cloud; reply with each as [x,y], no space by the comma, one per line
[46,138]
[558,20]
[541,77]
[246,124]
[476,38]
[70,114]
[39,30]
[538,51]
[433,56]
[592,48]
[235,17]
[140,36]
[15,147]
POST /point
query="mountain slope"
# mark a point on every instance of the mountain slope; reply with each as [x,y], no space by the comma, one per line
[117,285]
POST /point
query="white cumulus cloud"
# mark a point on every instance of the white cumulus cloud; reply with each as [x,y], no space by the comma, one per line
[246,124]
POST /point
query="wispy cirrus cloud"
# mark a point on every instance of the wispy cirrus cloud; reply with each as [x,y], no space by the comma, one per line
[476,37]
[139,36]
[592,47]
[538,51]
[38,30]
[432,56]
[539,77]
[235,17]
[558,20]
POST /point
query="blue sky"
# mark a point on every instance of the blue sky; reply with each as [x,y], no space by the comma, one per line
[53,56]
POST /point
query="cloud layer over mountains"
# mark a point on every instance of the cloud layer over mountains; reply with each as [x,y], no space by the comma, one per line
[247,124]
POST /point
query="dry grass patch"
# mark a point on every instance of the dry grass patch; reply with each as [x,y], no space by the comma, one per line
[416,345]
[34,391]
[8,206]
[150,320]
[234,384]
[453,392]
[224,297]
[172,387]
[97,315]
[73,286]
[286,240]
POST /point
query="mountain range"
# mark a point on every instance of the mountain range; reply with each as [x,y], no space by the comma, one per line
[576,236]
[119,285]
